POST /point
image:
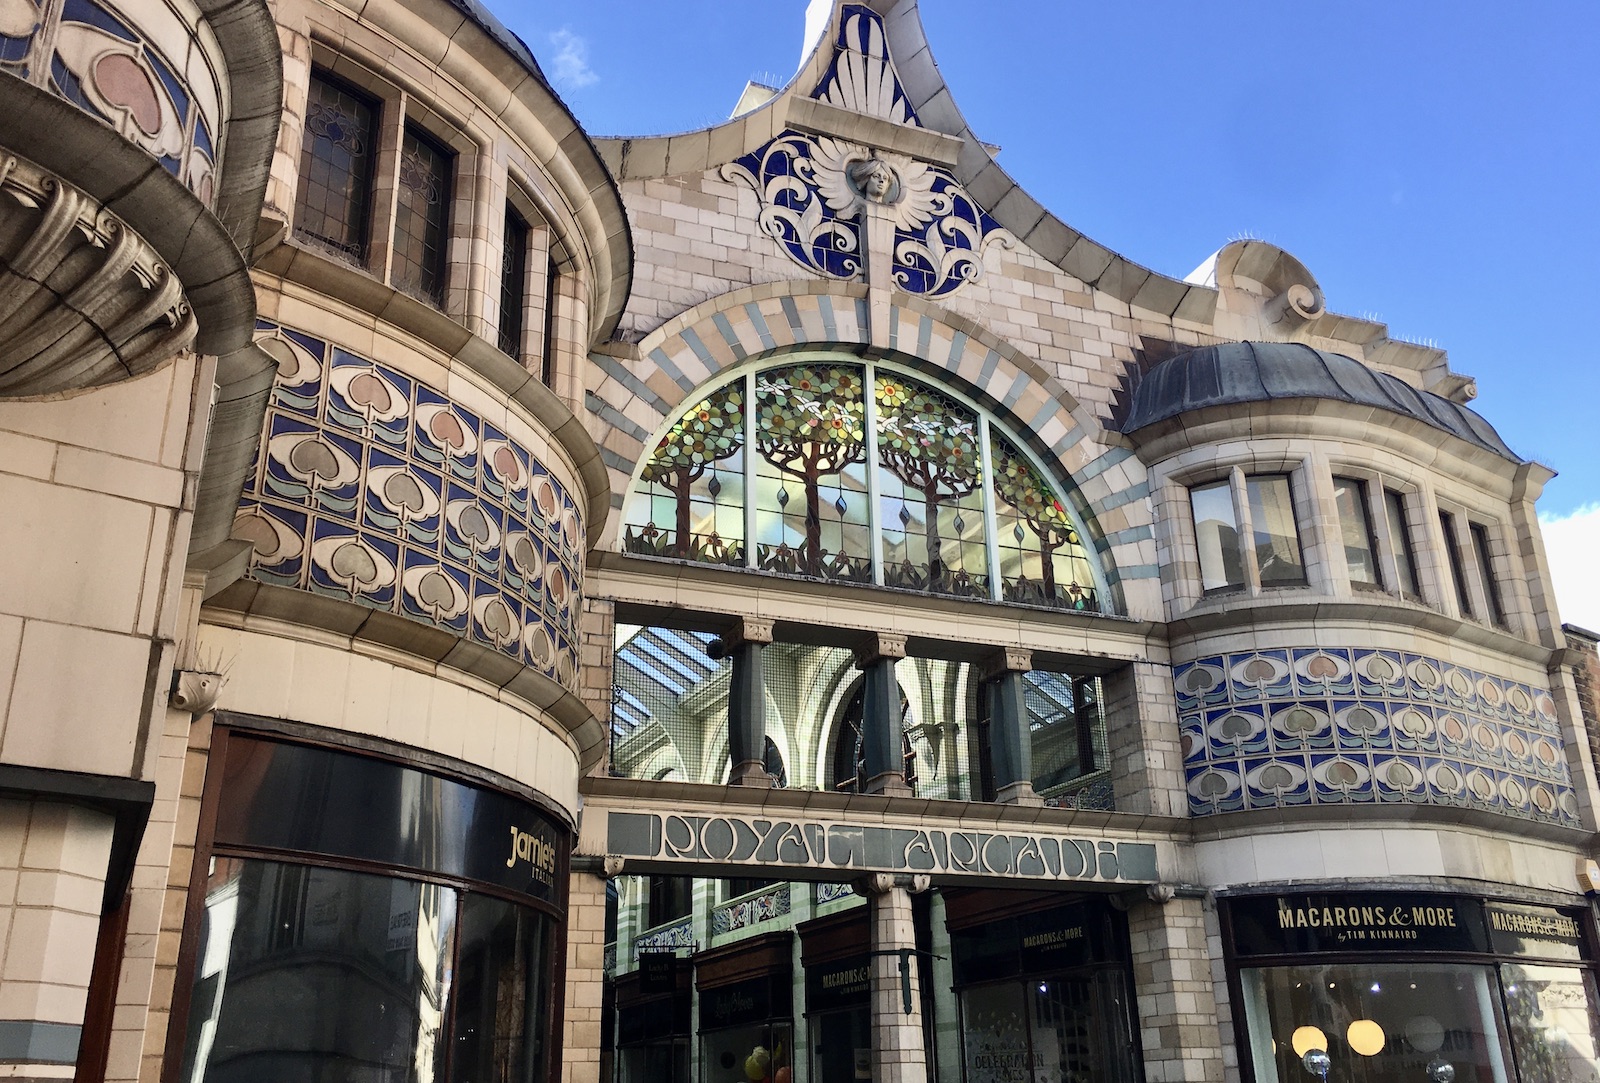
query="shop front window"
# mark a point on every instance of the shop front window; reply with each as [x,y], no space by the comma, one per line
[1394,987]
[1045,996]
[1555,1032]
[1380,1021]
[433,960]
[758,1052]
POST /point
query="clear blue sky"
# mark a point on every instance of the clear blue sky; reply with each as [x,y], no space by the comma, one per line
[1436,165]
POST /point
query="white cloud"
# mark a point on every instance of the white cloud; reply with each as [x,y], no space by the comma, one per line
[1572,542]
[569,67]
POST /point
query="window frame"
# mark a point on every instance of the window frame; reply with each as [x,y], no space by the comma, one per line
[359,252]
[1228,586]
[516,237]
[413,131]
[1483,557]
[1363,492]
[1456,563]
[1287,476]
[1237,479]
[1397,500]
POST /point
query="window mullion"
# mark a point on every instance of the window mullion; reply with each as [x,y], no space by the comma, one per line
[870,401]
[991,543]
[750,469]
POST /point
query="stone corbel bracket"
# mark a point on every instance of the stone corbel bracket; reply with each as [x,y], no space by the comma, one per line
[84,300]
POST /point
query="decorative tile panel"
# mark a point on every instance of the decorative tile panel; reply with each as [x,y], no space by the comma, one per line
[827,892]
[680,934]
[150,78]
[1323,726]
[374,487]
[751,910]
[816,191]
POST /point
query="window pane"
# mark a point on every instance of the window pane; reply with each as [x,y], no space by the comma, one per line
[1067,729]
[994,1034]
[690,501]
[1217,533]
[1277,541]
[336,153]
[668,696]
[1405,559]
[1491,587]
[1042,560]
[1424,1012]
[513,282]
[421,211]
[1355,530]
[313,975]
[502,993]
[930,490]
[1080,1029]
[1554,1022]
[811,473]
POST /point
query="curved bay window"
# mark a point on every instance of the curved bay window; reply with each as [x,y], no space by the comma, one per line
[353,917]
[797,469]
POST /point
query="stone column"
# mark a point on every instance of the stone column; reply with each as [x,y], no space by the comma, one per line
[1146,756]
[586,934]
[53,866]
[1172,985]
[747,703]
[898,1052]
[1010,745]
[881,734]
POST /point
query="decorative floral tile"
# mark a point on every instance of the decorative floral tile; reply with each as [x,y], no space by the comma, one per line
[1276,728]
[374,487]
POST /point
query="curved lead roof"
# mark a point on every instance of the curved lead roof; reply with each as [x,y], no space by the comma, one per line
[1242,372]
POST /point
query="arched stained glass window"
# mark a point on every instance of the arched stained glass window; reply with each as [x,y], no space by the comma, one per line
[860,473]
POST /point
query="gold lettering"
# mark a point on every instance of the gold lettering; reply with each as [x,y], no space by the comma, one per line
[512,860]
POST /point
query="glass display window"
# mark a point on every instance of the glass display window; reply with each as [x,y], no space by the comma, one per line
[1377,1022]
[754,1053]
[1373,987]
[356,918]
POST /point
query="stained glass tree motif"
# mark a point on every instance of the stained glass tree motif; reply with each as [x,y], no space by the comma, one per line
[930,493]
[1041,557]
[809,426]
[695,481]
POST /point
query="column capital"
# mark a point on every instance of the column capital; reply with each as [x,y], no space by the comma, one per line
[748,630]
[1005,660]
[881,883]
[877,646]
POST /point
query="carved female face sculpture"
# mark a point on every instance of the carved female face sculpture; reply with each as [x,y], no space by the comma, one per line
[873,179]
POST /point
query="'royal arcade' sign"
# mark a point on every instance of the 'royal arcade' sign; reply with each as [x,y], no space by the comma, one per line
[831,849]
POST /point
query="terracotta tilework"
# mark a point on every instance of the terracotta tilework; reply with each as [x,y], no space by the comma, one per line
[374,487]
[1323,726]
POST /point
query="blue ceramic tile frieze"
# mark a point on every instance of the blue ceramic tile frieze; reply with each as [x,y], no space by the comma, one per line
[373,487]
[1326,726]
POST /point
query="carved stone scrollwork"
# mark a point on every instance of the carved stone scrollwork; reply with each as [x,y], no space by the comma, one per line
[84,301]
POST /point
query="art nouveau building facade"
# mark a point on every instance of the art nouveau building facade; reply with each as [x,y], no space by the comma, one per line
[766,603]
